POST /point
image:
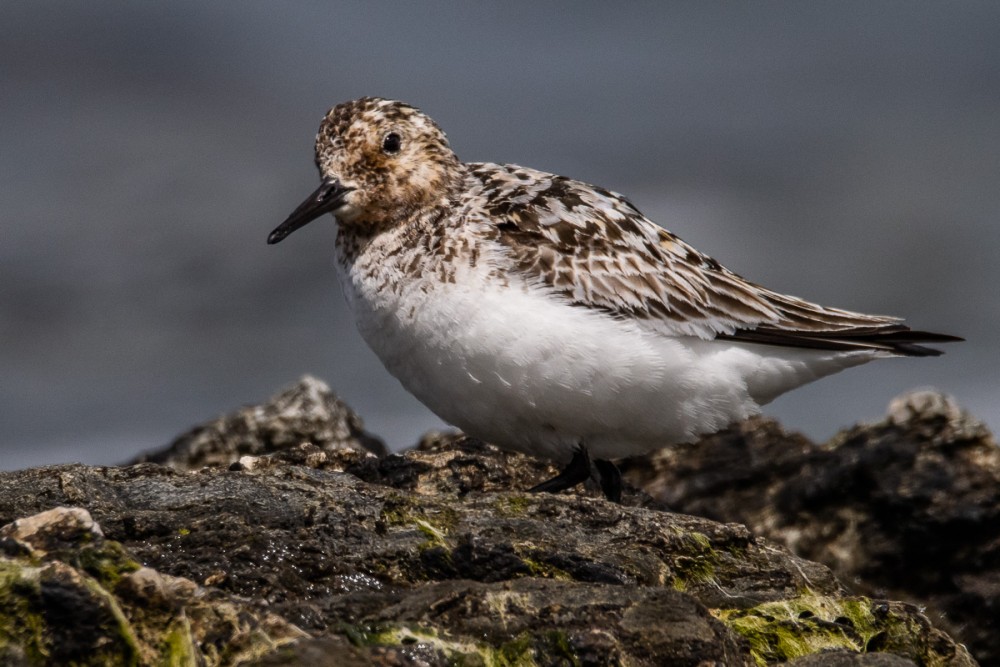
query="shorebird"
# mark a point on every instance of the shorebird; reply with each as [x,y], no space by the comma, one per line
[551,317]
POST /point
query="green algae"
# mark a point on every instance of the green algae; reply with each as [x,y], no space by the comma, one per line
[696,564]
[127,651]
[783,630]
[435,535]
[509,505]
[559,647]
[21,624]
[433,523]
[544,570]
[122,632]
[177,648]
[107,563]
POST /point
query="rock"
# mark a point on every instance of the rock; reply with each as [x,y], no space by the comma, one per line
[68,595]
[430,558]
[907,508]
[838,658]
[52,530]
[305,413]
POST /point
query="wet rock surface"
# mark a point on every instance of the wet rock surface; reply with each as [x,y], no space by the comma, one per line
[335,556]
[906,508]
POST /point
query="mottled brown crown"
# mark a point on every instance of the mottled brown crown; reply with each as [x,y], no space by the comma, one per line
[348,118]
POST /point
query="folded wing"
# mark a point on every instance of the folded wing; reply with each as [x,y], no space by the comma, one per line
[596,249]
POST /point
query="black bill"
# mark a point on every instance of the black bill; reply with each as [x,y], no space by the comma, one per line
[328,196]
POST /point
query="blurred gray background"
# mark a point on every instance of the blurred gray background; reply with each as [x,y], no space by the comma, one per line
[845,152]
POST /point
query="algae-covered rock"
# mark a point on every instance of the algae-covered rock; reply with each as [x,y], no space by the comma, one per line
[907,508]
[437,557]
[69,596]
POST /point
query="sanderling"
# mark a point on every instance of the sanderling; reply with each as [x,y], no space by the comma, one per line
[549,316]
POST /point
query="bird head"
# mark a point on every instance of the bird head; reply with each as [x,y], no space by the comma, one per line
[380,162]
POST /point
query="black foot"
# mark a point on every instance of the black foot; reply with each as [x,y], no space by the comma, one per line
[576,472]
[611,480]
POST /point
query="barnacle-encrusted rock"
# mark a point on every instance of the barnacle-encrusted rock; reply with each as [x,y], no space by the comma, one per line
[306,412]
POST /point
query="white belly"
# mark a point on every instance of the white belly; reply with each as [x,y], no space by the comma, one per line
[520,369]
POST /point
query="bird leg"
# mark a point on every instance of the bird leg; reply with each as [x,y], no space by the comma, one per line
[576,472]
[611,480]
[579,471]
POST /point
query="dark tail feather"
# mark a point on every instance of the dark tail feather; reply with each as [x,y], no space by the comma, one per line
[894,338]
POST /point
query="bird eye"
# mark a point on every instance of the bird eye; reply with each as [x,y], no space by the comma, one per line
[391,143]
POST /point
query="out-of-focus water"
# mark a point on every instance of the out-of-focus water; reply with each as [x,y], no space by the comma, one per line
[843,152]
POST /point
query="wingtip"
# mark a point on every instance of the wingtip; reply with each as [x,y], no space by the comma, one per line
[894,339]
[910,347]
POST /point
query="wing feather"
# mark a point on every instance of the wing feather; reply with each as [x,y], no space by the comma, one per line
[596,249]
